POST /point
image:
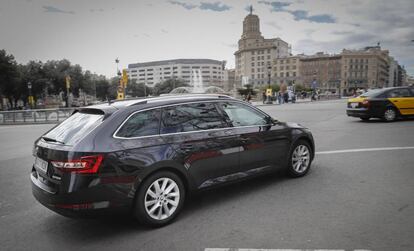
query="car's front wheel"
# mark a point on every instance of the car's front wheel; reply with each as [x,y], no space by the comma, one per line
[159,199]
[300,159]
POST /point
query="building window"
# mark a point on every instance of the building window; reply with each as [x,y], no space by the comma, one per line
[252,63]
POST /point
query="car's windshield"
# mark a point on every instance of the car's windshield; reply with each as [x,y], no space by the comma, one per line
[74,128]
[371,93]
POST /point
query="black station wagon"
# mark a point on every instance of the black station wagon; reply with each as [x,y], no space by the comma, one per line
[147,155]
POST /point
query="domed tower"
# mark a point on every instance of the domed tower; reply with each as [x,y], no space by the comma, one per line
[251,26]
[255,54]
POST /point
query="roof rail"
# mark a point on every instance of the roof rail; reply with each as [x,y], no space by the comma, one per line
[175,97]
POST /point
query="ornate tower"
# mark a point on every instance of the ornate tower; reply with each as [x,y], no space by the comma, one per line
[251,26]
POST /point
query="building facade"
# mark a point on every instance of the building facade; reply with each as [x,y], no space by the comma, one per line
[365,68]
[286,70]
[151,73]
[255,54]
[229,82]
[321,71]
[392,73]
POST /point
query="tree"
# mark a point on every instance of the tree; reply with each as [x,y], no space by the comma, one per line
[245,91]
[9,78]
[168,85]
[137,90]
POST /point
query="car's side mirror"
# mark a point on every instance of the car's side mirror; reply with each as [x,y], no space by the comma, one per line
[271,121]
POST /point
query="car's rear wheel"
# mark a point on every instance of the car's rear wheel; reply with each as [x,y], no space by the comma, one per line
[390,114]
[159,199]
[300,159]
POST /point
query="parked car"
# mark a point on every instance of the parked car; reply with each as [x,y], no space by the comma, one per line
[147,155]
[387,104]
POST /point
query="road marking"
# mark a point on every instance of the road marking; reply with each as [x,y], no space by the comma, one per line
[262,249]
[367,150]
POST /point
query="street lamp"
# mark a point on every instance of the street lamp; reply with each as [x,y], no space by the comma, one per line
[268,94]
[118,72]
[29,86]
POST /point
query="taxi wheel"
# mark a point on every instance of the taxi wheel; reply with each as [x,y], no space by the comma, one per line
[390,114]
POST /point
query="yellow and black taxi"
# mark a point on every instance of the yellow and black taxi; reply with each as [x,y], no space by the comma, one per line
[387,104]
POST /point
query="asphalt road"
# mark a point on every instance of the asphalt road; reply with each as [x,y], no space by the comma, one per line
[349,200]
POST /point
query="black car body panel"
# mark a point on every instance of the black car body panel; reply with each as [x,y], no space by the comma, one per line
[201,158]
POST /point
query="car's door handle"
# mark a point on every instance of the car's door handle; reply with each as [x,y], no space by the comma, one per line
[187,147]
[395,101]
[244,140]
[228,132]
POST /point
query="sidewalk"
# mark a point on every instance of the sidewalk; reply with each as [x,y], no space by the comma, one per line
[260,103]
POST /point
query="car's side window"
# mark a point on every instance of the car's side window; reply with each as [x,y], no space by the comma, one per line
[242,115]
[145,123]
[412,92]
[191,117]
[399,93]
[405,93]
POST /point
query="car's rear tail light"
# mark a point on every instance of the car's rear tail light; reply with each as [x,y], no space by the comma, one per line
[87,164]
[365,103]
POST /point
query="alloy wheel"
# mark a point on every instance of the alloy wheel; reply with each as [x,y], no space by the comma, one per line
[300,159]
[390,115]
[162,198]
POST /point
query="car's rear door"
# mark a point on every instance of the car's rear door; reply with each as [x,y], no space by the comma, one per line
[205,145]
[403,99]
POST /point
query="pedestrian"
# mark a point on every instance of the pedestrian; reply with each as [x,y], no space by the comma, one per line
[264,97]
[279,98]
[249,97]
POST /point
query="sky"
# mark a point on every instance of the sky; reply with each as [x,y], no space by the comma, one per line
[93,33]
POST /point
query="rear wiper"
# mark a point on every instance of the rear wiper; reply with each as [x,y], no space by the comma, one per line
[52,140]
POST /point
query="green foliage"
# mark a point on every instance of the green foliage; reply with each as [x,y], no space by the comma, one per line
[48,78]
[248,89]
[138,90]
[167,86]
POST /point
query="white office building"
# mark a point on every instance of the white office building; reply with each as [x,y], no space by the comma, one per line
[151,73]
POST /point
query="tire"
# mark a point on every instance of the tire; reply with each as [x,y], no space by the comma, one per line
[152,207]
[365,118]
[295,169]
[390,114]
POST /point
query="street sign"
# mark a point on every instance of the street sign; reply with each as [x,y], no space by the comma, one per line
[120,91]
[124,77]
[314,84]
[269,92]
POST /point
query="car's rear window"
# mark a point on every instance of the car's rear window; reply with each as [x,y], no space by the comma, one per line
[74,128]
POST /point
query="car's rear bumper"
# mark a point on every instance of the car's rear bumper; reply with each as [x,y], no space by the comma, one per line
[86,202]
